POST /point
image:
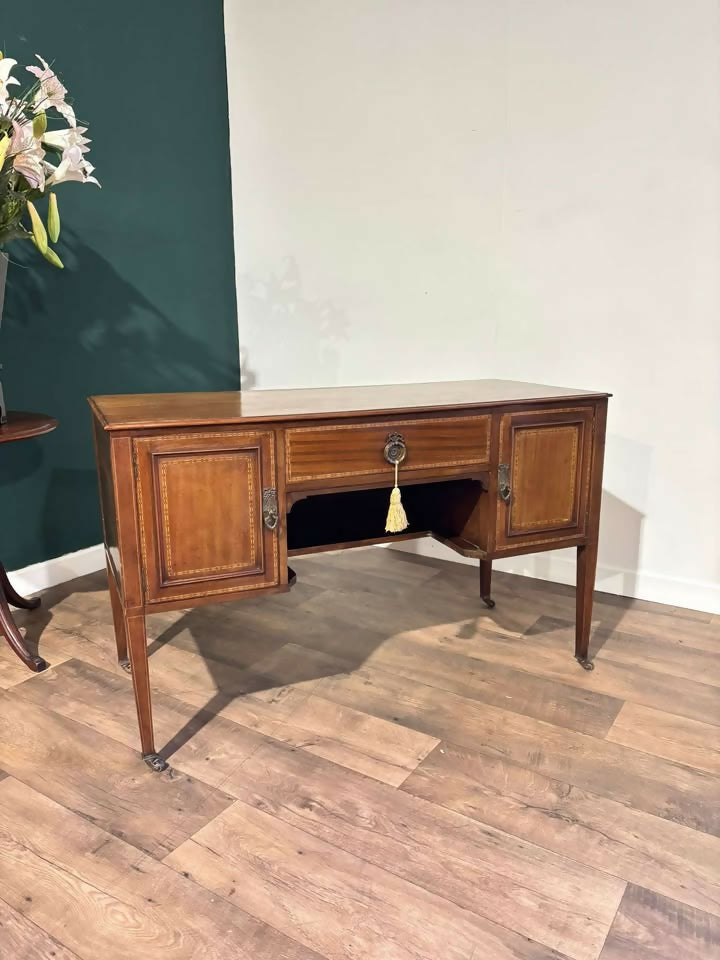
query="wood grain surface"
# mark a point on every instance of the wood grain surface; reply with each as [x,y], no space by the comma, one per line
[121,412]
[371,767]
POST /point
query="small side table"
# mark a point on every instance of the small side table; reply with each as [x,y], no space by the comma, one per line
[20,426]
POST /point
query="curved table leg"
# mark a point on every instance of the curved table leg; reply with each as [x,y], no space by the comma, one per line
[13,636]
[12,596]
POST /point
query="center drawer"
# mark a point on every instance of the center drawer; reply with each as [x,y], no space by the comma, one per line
[443,446]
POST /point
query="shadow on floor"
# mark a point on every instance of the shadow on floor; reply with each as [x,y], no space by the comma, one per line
[330,625]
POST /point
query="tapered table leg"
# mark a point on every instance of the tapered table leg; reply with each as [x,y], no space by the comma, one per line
[485,581]
[118,621]
[8,627]
[137,648]
[586,566]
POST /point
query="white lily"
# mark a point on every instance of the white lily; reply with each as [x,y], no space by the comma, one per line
[72,166]
[6,80]
[27,153]
[52,93]
[71,137]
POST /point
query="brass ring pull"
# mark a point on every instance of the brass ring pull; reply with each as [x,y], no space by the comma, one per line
[270,513]
[395,450]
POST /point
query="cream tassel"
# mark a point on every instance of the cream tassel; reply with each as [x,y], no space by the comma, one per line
[396,519]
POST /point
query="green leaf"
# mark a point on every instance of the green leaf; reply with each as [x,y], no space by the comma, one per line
[39,124]
[53,219]
[38,229]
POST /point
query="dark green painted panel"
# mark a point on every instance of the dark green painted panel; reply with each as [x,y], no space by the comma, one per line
[147,302]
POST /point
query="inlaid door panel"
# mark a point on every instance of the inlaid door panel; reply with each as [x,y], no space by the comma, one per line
[200,501]
[544,476]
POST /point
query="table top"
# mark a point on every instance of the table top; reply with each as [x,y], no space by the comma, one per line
[145,410]
[21,425]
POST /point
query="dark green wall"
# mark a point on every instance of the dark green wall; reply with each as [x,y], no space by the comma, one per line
[147,300]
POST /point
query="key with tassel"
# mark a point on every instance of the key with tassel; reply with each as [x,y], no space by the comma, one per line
[395,452]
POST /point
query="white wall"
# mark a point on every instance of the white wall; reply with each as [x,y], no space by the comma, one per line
[447,189]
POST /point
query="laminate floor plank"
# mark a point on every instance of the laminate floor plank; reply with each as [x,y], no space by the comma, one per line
[524,887]
[100,897]
[438,666]
[651,927]
[272,697]
[458,786]
[20,939]
[667,735]
[547,654]
[100,779]
[210,747]
[14,671]
[356,740]
[663,625]
[333,902]
[275,698]
[250,634]
[658,786]
[671,859]
[64,638]
[497,685]
[432,604]
[676,658]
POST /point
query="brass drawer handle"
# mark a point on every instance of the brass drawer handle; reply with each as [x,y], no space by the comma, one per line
[395,449]
[504,491]
[270,508]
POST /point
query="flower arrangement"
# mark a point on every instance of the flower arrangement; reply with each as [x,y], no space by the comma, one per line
[26,143]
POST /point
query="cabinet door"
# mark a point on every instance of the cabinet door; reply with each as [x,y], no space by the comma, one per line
[200,505]
[544,476]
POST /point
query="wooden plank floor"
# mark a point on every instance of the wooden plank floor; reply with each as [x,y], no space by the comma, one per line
[371,767]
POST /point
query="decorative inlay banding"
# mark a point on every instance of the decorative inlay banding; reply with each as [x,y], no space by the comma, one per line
[165,509]
[479,457]
[522,433]
[268,576]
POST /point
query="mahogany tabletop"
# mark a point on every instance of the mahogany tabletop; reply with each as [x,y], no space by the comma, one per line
[21,425]
[140,411]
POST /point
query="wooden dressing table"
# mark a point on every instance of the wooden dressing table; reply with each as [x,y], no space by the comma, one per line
[206,495]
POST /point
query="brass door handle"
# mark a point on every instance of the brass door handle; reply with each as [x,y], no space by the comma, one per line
[270,508]
[504,491]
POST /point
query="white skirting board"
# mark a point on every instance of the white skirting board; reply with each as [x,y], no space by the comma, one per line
[558,566]
[48,573]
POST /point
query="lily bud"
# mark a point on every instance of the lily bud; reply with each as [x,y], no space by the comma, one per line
[38,228]
[54,259]
[53,219]
[4,144]
[39,124]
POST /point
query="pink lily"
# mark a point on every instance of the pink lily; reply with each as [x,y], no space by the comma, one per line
[6,80]
[52,93]
[73,166]
[28,154]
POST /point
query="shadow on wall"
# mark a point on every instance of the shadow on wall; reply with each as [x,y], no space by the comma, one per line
[621,529]
[120,340]
[311,332]
[620,540]
[68,334]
